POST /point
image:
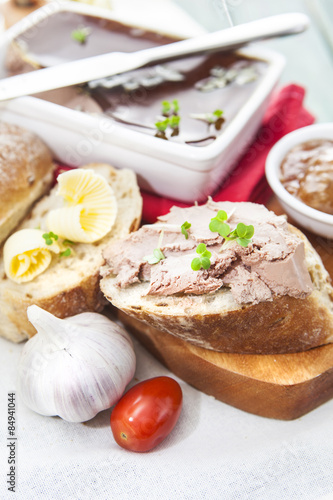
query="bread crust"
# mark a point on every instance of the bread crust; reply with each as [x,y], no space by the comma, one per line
[214,321]
[86,296]
[69,287]
[26,173]
[285,325]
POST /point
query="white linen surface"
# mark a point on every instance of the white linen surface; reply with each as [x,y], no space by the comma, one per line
[214,452]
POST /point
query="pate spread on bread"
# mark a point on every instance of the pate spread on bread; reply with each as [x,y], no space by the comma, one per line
[271,296]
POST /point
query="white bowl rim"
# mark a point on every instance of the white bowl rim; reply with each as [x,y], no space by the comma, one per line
[275,157]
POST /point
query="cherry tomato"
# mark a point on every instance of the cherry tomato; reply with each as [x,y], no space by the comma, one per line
[147,413]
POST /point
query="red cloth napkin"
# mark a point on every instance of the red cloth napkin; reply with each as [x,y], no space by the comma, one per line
[247,181]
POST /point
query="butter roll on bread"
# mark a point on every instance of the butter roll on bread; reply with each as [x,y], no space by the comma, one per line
[26,174]
[70,285]
[268,297]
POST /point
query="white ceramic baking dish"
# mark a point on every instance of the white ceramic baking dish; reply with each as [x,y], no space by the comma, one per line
[175,170]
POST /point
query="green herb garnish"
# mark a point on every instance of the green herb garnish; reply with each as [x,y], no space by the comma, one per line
[242,233]
[184,227]
[68,242]
[174,121]
[170,108]
[175,105]
[215,118]
[170,112]
[80,34]
[218,224]
[157,254]
[216,114]
[66,253]
[166,108]
[49,237]
[162,125]
[203,260]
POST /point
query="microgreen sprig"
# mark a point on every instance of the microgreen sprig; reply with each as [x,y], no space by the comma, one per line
[157,254]
[49,237]
[184,227]
[242,233]
[162,125]
[215,118]
[171,119]
[68,242]
[203,261]
[218,224]
[174,121]
[66,253]
[215,115]
[80,34]
[170,108]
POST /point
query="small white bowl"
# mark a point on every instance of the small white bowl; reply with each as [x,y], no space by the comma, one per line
[315,221]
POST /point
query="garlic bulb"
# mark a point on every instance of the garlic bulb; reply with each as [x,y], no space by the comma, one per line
[74,367]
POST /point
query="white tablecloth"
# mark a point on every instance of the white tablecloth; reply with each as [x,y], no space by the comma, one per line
[214,452]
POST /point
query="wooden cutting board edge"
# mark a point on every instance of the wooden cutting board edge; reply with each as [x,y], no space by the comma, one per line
[276,392]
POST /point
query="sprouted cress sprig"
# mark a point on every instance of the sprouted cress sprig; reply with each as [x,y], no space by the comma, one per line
[203,261]
[214,118]
[184,229]
[170,108]
[50,237]
[157,254]
[81,34]
[171,119]
[242,233]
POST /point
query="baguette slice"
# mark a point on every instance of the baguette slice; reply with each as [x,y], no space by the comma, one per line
[26,174]
[71,284]
[215,321]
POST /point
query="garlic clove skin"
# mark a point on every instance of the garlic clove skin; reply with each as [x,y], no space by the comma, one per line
[74,367]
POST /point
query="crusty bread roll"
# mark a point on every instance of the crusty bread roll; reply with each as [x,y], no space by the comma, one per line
[26,173]
[282,323]
[71,284]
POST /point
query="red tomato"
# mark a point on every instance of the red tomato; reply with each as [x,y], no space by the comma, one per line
[147,413]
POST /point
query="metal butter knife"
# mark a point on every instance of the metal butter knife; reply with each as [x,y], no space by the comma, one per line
[101,66]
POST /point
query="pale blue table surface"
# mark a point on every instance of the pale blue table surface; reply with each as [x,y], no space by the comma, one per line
[309,56]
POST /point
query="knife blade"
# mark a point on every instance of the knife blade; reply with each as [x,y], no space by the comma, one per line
[105,65]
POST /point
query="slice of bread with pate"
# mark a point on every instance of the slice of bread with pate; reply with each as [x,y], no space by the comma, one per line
[70,285]
[271,296]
